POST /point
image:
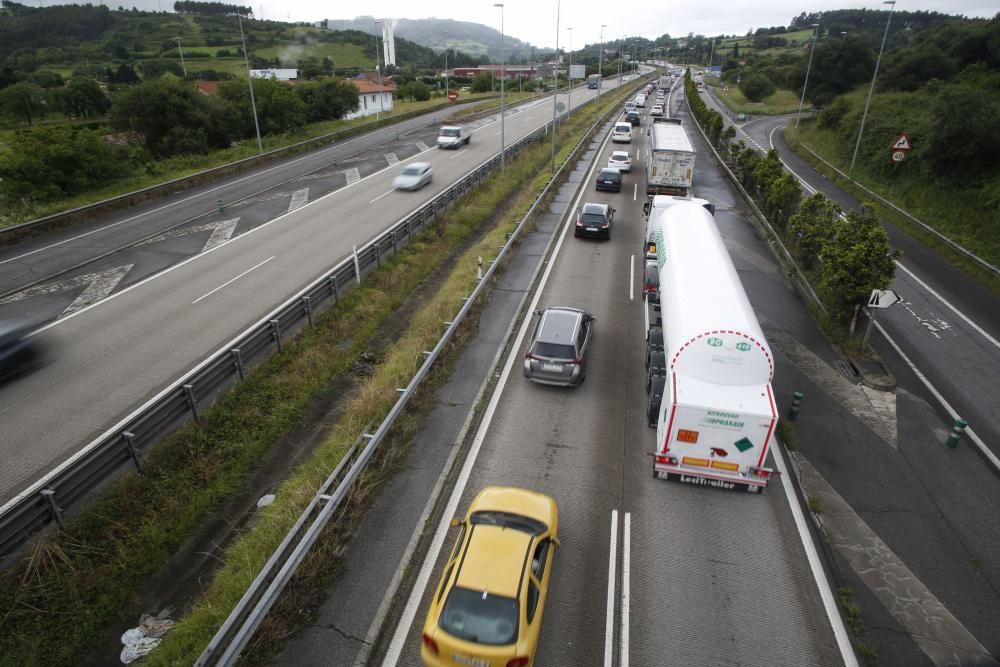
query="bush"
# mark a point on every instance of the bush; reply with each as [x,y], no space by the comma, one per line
[757,87]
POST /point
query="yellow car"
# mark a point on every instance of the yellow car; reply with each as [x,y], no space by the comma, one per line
[487,610]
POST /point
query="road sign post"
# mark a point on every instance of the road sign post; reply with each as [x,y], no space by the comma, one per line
[880,298]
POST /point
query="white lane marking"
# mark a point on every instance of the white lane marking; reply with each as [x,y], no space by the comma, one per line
[635,191]
[231,281]
[631,278]
[770,138]
[955,310]
[384,194]
[391,158]
[986,451]
[421,146]
[815,566]
[98,285]
[401,635]
[222,231]
[299,198]
[609,625]
[460,152]
[626,567]
[352,175]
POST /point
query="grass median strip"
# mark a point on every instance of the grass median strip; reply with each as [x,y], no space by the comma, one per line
[57,604]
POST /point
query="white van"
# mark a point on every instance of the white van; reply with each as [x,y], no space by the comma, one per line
[622,133]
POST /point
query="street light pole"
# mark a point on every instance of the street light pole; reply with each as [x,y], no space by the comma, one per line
[253,102]
[555,88]
[183,66]
[600,75]
[569,77]
[503,75]
[892,6]
[808,67]
[378,69]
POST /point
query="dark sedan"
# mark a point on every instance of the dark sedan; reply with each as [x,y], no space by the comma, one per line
[609,180]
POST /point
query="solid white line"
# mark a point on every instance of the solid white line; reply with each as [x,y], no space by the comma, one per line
[626,566]
[635,191]
[955,310]
[460,151]
[229,282]
[384,194]
[631,278]
[819,576]
[770,140]
[401,635]
[609,624]
[986,451]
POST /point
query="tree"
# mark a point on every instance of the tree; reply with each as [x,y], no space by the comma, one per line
[23,100]
[50,162]
[812,227]
[483,83]
[736,50]
[856,260]
[957,146]
[155,108]
[782,196]
[81,98]
[47,78]
[328,99]
[417,90]
[279,109]
[756,87]
[125,74]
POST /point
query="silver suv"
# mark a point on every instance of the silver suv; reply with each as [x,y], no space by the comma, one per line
[557,353]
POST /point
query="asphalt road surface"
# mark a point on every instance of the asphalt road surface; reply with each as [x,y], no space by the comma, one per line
[110,356]
[649,572]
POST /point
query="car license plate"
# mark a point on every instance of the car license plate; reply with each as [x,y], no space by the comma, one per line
[591,229]
[466,660]
[552,367]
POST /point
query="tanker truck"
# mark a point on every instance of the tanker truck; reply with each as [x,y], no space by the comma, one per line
[717,414]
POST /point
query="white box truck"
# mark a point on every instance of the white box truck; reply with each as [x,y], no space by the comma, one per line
[718,413]
[670,163]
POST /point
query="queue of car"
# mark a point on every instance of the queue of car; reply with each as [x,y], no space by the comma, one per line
[487,608]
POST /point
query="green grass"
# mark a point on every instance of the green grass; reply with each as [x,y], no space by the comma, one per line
[951,210]
[343,55]
[95,569]
[783,101]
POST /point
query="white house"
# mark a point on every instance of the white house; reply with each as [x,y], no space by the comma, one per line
[372,98]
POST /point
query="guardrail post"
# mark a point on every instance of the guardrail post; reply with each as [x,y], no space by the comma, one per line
[307,303]
[189,394]
[395,247]
[50,498]
[130,444]
[333,287]
[357,266]
[479,268]
[238,358]
[220,205]
[793,411]
[378,255]
[956,432]
[276,332]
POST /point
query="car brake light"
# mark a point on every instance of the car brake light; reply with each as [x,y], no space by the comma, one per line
[430,643]
[519,662]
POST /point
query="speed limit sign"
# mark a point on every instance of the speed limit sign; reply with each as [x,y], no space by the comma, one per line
[898,156]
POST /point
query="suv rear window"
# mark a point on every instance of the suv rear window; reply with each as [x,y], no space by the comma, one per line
[553,350]
[477,616]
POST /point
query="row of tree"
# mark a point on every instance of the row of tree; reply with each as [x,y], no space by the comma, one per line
[154,120]
[211,8]
[846,257]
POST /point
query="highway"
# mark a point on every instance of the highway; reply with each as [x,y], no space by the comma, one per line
[193,294]
[948,325]
[649,572]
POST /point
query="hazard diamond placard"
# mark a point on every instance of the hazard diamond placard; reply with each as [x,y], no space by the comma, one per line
[903,143]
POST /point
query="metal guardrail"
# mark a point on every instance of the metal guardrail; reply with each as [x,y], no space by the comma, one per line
[239,627]
[124,443]
[979,261]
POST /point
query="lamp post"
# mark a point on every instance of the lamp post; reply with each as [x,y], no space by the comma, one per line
[378,70]
[569,75]
[892,6]
[600,76]
[503,75]
[808,67]
[183,66]
[555,88]
[253,102]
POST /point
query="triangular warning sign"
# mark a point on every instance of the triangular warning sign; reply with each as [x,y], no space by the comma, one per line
[902,144]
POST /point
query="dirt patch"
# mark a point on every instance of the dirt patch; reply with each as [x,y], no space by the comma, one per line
[190,571]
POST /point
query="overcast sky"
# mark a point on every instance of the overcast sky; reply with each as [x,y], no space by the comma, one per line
[534,21]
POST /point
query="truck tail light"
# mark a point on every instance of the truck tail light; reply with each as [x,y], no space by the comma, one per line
[763,473]
[665,460]
[430,643]
[520,661]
